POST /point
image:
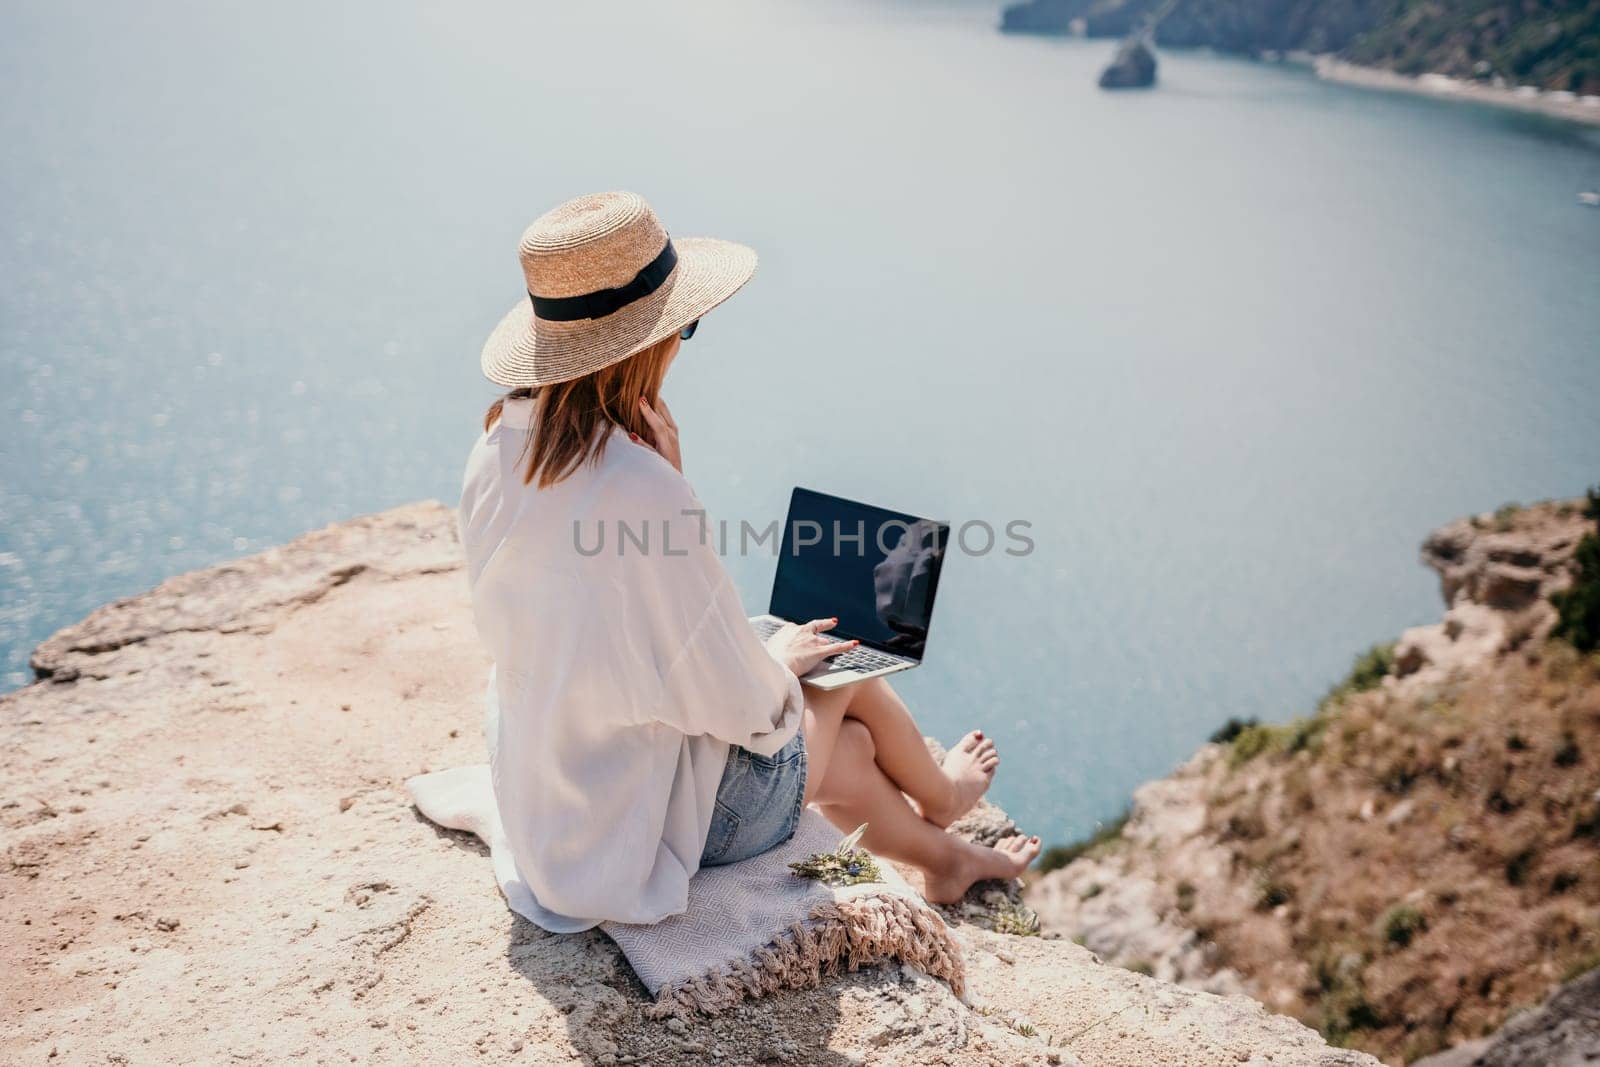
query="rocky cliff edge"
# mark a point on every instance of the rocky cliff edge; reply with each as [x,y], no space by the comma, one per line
[1409,866]
[209,858]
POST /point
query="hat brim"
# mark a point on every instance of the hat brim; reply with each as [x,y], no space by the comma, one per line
[525,351]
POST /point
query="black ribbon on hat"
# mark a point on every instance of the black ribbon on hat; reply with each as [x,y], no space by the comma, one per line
[602,302]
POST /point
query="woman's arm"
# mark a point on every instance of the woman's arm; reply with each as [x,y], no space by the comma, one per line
[723,683]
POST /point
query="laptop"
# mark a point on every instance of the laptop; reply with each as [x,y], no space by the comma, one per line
[875,570]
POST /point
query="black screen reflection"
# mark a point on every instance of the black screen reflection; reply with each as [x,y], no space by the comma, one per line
[876,570]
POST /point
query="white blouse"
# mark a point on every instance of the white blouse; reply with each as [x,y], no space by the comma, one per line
[624,669]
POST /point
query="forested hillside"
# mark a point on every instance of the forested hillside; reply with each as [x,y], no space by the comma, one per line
[1554,44]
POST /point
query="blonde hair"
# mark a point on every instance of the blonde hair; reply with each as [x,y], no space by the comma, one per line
[571,417]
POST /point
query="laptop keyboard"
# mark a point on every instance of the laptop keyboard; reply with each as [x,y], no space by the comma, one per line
[863,659]
[765,628]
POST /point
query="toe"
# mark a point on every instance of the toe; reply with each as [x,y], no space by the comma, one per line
[970,742]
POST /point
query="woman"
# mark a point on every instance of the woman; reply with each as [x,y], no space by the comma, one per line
[639,730]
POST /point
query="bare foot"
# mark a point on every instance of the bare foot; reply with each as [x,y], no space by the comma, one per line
[969,767]
[977,863]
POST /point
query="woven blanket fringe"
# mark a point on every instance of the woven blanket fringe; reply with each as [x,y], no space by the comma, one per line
[841,935]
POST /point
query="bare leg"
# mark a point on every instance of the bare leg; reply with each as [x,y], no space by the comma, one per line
[820,725]
[943,793]
[856,790]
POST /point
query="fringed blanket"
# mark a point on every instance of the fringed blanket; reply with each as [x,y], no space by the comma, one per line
[751,928]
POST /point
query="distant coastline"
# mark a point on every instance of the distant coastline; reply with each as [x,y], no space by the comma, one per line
[1494,52]
[1585,109]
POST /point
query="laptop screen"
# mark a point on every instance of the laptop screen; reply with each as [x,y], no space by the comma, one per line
[875,570]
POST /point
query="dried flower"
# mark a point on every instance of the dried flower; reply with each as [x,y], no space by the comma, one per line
[845,865]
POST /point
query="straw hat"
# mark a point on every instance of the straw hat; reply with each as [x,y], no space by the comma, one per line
[604,282]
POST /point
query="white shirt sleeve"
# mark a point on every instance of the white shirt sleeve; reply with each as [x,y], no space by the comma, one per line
[724,683]
[716,677]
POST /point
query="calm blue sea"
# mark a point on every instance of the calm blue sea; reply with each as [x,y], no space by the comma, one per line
[1231,346]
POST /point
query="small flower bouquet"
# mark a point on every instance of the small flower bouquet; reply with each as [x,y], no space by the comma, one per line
[845,865]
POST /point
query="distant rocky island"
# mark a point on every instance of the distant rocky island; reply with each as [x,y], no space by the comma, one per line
[1133,67]
[1414,867]
[1552,45]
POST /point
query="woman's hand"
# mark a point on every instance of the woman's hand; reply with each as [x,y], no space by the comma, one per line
[801,648]
[663,431]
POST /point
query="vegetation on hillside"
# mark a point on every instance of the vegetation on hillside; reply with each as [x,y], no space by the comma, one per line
[1469,819]
[1579,606]
[1060,855]
[1247,738]
[1554,44]
[1550,43]
[1247,26]
[1418,859]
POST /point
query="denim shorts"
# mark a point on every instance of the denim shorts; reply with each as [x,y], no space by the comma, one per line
[758,803]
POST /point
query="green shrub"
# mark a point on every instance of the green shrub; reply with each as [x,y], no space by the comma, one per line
[1017,920]
[1245,825]
[1057,856]
[1398,774]
[1248,738]
[1505,516]
[1271,894]
[1253,741]
[1231,729]
[1343,1000]
[1587,822]
[1346,1011]
[1367,672]
[1400,924]
[1579,605]
[1517,866]
[1305,733]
